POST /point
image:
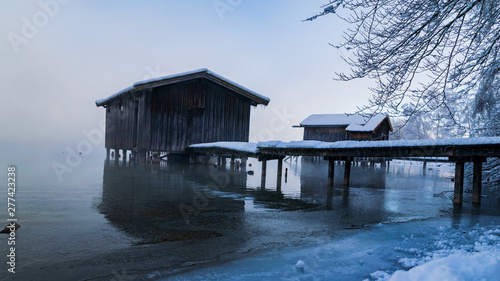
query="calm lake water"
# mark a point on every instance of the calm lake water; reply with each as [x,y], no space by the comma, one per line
[107,220]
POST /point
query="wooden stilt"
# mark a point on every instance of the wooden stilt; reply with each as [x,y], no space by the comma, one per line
[223,163]
[347,172]
[459,183]
[232,162]
[108,151]
[476,181]
[243,163]
[331,171]
[263,175]
[279,173]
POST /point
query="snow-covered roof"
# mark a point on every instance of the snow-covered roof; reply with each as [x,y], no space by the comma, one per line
[249,147]
[352,122]
[185,76]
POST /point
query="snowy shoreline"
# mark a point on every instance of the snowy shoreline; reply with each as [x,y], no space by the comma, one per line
[436,249]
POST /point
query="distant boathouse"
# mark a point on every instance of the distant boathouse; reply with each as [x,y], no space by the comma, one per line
[170,113]
[341,127]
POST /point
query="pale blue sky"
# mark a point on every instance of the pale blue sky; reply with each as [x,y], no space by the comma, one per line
[81,51]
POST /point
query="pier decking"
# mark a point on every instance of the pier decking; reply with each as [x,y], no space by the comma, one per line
[460,151]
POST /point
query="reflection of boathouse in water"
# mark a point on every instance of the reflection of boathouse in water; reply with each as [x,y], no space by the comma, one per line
[170,113]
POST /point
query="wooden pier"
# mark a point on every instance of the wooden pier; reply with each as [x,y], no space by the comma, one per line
[460,151]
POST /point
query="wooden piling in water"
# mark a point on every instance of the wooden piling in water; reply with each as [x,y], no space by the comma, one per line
[244,163]
[347,172]
[331,171]
[232,162]
[459,183]
[263,175]
[279,173]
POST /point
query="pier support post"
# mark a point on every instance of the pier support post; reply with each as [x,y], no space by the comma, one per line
[219,161]
[331,171]
[476,180]
[459,183]
[232,162]
[263,175]
[117,154]
[223,163]
[124,154]
[243,163]
[347,171]
[108,152]
[279,173]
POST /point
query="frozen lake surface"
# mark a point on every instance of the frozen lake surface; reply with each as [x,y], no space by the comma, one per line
[107,220]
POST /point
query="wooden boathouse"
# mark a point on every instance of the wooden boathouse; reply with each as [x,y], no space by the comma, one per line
[341,127]
[170,113]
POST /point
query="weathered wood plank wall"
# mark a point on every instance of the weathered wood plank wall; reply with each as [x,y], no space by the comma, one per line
[170,118]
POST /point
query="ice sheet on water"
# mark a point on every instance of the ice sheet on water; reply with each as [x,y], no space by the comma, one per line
[419,250]
[455,255]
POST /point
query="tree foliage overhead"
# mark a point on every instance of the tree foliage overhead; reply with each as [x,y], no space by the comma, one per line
[425,56]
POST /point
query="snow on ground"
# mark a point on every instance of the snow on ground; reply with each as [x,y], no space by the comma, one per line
[470,255]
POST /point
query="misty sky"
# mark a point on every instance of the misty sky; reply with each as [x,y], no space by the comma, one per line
[58,57]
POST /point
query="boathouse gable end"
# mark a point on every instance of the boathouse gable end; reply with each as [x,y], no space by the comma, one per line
[163,116]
